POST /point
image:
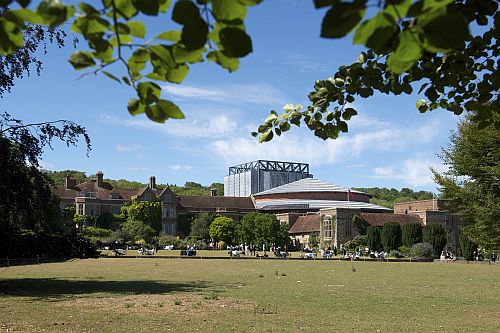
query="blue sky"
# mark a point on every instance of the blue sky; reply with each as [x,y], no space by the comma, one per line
[389,143]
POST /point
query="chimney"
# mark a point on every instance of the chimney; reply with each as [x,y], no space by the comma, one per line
[213,192]
[152,182]
[68,182]
[99,175]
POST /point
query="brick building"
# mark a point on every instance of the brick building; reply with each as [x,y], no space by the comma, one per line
[97,197]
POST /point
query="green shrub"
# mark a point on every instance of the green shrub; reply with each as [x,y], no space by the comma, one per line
[422,250]
[435,235]
[373,238]
[467,246]
[360,241]
[391,236]
[395,254]
[411,234]
[405,250]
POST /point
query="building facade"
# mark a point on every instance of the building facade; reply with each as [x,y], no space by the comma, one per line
[249,178]
[97,197]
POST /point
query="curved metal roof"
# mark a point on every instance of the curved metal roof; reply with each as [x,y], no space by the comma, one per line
[306,185]
[314,204]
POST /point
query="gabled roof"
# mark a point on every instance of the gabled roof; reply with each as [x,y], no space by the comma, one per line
[305,224]
[304,204]
[202,201]
[306,185]
[379,219]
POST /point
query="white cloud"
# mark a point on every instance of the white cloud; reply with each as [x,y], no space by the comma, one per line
[310,149]
[303,63]
[178,167]
[124,149]
[45,165]
[216,126]
[415,172]
[262,94]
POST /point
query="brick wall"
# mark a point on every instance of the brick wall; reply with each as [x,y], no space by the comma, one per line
[421,205]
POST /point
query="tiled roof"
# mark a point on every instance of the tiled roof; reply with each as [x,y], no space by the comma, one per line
[306,185]
[379,219]
[314,204]
[202,201]
[305,224]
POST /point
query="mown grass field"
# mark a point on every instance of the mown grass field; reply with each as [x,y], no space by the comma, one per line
[186,295]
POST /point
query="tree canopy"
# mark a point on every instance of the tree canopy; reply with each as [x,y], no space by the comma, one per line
[448,49]
[472,182]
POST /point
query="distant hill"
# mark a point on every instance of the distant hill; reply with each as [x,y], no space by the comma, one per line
[190,188]
[385,197]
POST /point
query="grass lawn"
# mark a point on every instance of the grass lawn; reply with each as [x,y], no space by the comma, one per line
[179,295]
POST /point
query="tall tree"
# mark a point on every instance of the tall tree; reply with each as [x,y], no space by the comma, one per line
[373,238]
[28,201]
[200,226]
[223,229]
[472,182]
[435,235]
[411,234]
[390,235]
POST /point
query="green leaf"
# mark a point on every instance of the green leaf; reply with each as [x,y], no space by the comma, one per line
[125,8]
[11,37]
[148,7]
[111,76]
[375,32]
[137,28]
[81,60]
[398,9]
[88,9]
[447,32]
[170,109]
[149,92]
[267,136]
[54,12]
[163,110]
[229,10]
[342,18]
[27,15]
[185,12]
[88,27]
[135,107]
[236,43]
[172,35]
[422,105]
[177,75]
[138,60]
[194,34]
[182,55]
[161,55]
[349,113]
[231,64]
[407,53]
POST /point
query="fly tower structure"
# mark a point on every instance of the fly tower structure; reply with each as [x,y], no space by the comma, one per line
[253,177]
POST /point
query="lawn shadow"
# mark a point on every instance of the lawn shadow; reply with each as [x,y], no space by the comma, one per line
[57,288]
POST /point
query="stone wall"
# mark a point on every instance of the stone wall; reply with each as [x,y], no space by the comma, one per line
[343,227]
[451,224]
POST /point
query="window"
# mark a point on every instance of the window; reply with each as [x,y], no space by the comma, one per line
[327,227]
[348,228]
[168,228]
[168,212]
[79,209]
[147,196]
[115,209]
[115,196]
